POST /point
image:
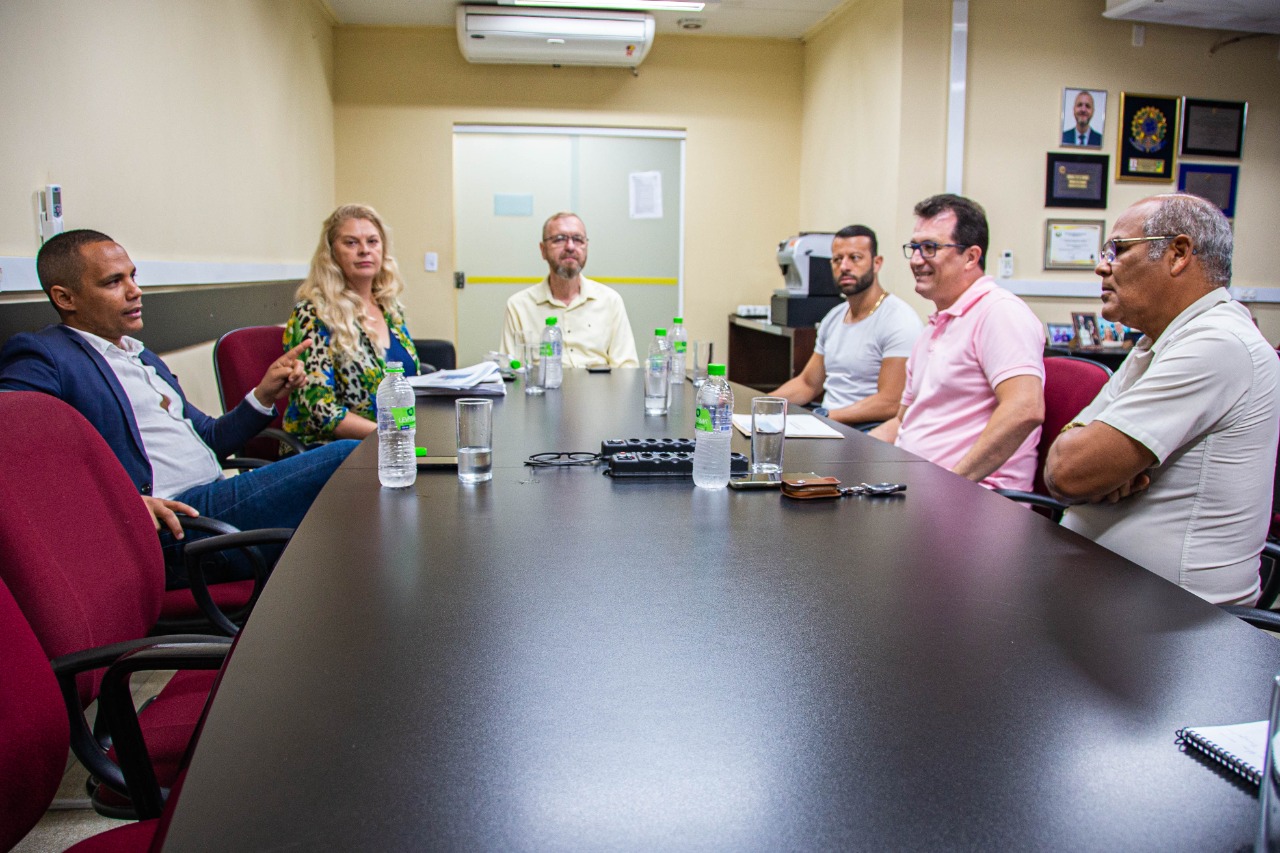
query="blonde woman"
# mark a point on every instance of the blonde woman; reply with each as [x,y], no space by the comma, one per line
[349,308]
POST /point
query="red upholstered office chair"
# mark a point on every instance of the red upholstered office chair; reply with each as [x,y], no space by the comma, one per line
[33,750]
[79,552]
[1070,384]
[240,358]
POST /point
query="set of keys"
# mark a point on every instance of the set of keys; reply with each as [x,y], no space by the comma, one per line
[873,490]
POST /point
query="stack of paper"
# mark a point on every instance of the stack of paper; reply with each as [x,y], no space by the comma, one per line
[798,426]
[481,379]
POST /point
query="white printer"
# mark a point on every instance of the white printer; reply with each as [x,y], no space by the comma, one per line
[811,290]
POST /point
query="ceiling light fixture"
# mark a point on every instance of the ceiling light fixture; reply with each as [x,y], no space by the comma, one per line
[628,5]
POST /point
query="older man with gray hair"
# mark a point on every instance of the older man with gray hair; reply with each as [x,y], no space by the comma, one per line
[1172,464]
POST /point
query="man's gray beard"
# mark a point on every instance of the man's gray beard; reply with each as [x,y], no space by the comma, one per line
[565,272]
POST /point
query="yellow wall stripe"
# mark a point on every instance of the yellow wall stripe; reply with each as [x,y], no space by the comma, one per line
[498,279]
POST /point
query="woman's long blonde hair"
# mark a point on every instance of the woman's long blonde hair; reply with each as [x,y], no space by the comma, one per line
[336,305]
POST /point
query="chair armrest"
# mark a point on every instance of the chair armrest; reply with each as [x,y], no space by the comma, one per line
[88,750]
[227,537]
[1271,581]
[285,438]
[1055,506]
[247,463]
[1255,616]
[115,701]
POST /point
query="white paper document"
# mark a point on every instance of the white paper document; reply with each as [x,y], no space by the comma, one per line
[482,379]
[798,426]
[646,195]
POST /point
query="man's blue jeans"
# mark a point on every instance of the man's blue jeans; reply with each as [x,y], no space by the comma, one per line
[275,495]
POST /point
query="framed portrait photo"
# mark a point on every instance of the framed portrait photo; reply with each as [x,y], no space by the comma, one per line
[1072,244]
[1060,334]
[1147,134]
[1213,128]
[1111,333]
[1076,180]
[1085,327]
[1084,116]
[1213,182]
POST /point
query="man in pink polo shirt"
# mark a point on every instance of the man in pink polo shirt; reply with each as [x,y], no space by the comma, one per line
[974,398]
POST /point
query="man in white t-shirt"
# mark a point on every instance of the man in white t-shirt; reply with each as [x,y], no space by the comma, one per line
[1172,465]
[859,362]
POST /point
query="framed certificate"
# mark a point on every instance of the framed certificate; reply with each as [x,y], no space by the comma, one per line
[1213,182]
[1076,180]
[1148,128]
[1072,244]
[1213,128]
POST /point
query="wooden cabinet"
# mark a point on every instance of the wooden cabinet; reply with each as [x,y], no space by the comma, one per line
[763,356]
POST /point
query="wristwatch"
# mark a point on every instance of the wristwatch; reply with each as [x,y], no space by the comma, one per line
[819,410]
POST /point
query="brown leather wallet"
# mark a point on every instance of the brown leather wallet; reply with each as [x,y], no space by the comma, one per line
[806,487]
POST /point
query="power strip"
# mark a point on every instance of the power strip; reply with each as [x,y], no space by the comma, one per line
[657,457]
[664,465]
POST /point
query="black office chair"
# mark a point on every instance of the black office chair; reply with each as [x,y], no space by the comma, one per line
[435,354]
[1269,572]
[1268,620]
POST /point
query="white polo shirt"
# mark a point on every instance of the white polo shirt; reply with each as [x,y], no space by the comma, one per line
[1203,399]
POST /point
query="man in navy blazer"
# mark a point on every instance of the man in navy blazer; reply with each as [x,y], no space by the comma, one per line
[169,448]
[1081,134]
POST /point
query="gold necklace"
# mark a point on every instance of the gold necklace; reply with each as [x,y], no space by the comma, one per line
[873,307]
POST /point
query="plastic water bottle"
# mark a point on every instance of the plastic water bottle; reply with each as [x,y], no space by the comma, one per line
[679,343]
[713,430]
[553,353]
[397,464]
[657,372]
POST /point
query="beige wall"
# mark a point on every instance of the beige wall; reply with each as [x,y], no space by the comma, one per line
[1018,66]
[189,130]
[875,120]
[852,91]
[399,92]
[1015,113]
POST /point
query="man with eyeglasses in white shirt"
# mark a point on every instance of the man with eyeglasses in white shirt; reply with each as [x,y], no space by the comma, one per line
[591,317]
[1172,465]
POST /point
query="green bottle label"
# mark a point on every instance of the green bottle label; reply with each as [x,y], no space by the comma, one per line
[702,420]
[405,417]
[681,346]
[548,349]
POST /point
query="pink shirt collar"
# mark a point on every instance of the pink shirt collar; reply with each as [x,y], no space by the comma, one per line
[968,299]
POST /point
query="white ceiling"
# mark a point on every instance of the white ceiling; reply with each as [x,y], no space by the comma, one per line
[1251,16]
[788,19]
[792,19]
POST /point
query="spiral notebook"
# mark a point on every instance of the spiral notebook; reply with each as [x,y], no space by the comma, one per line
[1241,748]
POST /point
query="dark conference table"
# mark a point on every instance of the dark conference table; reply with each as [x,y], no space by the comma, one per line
[557,660]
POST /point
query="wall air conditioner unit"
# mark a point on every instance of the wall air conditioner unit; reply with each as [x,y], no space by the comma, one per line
[533,36]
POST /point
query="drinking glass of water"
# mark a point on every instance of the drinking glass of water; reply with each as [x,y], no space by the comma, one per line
[768,430]
[475,440]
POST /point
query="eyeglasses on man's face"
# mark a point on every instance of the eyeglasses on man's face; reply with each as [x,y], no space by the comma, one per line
[927,249]
[566,239]
[1112,248]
